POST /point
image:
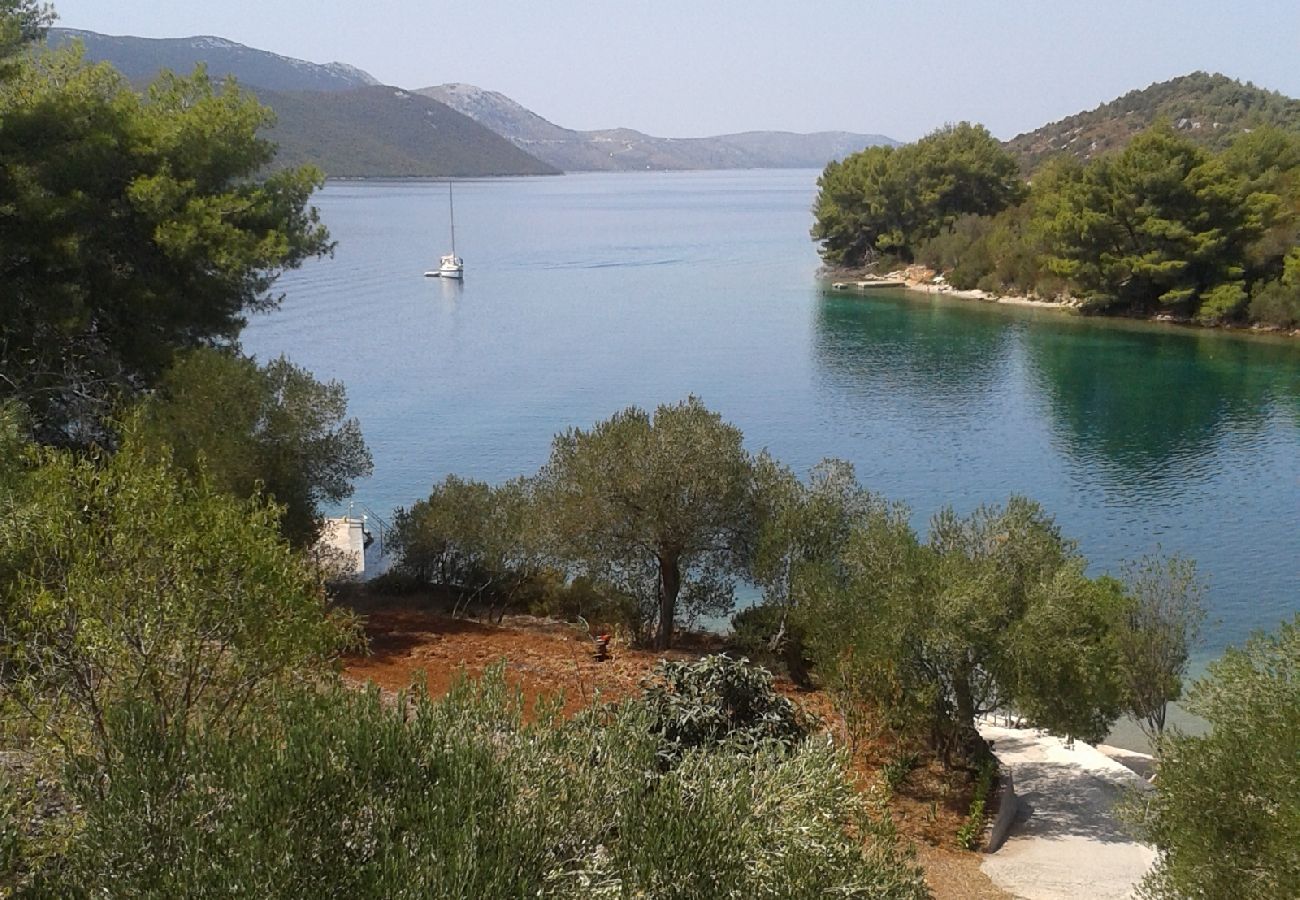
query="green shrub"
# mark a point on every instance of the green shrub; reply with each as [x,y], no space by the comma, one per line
[895,771]
[1276,304]
[1222,302]
[343,794]
[11,834]
[718,701]
[581,598]
[121,578]
[1225,814]
[968,836]
[765,634]
[395,583]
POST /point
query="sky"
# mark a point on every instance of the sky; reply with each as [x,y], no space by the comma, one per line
[685,68]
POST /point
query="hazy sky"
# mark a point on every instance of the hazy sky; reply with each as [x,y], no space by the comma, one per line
[694,67]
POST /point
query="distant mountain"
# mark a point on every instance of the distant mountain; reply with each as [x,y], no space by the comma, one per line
[379,131]
[1210,109]
[140,59]
[342,119]
[333,115]
[625,149]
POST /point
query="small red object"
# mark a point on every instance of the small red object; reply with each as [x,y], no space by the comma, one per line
[602,647]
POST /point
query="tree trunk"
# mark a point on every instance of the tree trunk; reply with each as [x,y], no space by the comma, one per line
[967,735]
[670,583]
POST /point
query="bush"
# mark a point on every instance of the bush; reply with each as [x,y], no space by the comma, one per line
[343,794]
[581,598]
[972,830]
[961,252]
[1222,303]
[759,633]
[11,835]
[120,578]
[895,772]
[718,701]
[1276,304]
[1226,811]
[992,612]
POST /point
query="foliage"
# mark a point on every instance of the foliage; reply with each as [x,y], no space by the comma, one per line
[272,428]
[133,227]
[991,611]
[895,771]
[1064,654]
[993,253]
[968,836]
[1277,302]
[119,579]
[1160,222]
[886,200]
[1163,225]
[481,540]
[773,637]
[22,22]
[656,507]
[342,794]
[550,593]
[800,528]
[1162,625]
[11,832]
[716,701]
[1226,811]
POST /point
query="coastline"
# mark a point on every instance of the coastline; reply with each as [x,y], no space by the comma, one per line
[920,279]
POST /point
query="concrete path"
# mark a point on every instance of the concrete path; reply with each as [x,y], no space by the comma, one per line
[1066,843]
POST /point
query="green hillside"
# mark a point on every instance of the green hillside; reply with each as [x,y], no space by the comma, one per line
[1209,109]
[386,132]
[332,114]
[140,59]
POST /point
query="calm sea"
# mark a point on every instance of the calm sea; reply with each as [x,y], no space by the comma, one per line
[586,293]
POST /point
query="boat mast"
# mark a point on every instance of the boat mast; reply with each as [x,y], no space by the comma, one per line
[451,207]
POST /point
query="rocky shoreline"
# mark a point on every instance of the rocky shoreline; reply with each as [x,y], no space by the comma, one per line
[922,279]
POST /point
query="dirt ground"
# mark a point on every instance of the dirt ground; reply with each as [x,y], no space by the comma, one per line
[546,659]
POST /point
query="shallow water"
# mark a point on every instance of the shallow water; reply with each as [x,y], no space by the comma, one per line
[586,293]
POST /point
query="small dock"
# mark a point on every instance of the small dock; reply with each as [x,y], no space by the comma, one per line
[869,284]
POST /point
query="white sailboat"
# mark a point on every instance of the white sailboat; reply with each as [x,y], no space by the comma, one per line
[451,266]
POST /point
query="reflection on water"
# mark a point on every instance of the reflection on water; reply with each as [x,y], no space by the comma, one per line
[1135,436]
[911,355]
[1145,406]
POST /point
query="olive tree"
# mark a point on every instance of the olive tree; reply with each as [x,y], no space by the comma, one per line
[992,611]
[1162,625]
[1225,814]
[657,505]
[801,527]
[483,541]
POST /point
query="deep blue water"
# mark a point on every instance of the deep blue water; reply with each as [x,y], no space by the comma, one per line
[586,293]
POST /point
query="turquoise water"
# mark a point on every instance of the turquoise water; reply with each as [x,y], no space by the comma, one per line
[586,293]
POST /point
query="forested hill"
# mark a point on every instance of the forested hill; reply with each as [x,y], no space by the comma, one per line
[625,149]
[140,59]
[384,132]
[1209,109]
[333,115]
